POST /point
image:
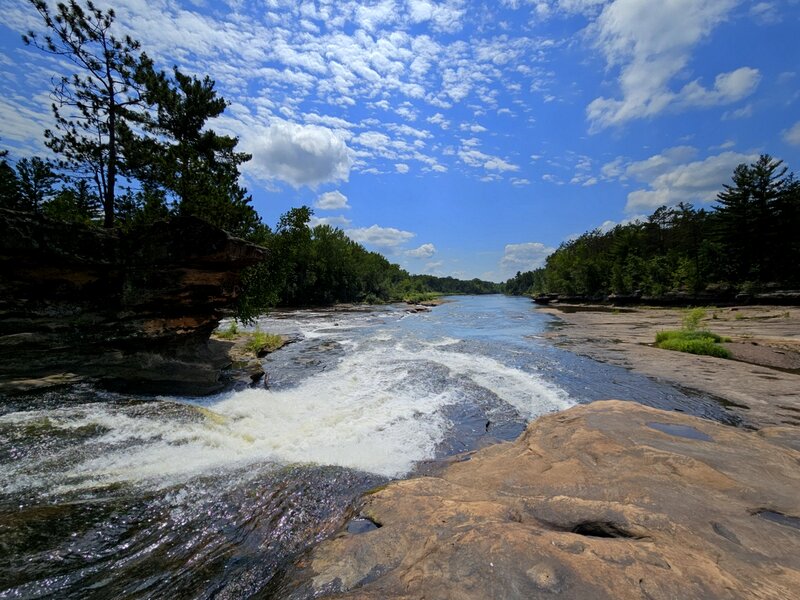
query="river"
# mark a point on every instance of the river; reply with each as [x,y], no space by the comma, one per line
[104,495]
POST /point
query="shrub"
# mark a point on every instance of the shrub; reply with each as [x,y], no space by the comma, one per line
[693,342]
[417,297]
[689,335]
[692,318]
[703,346]
[231,332]
[263,342]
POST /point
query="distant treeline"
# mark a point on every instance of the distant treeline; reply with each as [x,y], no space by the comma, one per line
[749,241]
[320,265]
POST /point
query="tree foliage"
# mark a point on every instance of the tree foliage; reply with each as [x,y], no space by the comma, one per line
[313,266]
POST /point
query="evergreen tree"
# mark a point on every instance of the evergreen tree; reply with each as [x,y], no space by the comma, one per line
[97,102]
[36,183]
[9,185]
[746,216]
[198,167]
[75,203]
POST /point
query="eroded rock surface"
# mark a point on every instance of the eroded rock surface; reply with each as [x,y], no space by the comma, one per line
[609,500]
[132,309]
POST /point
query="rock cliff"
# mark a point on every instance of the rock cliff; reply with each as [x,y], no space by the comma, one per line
[610,500]
[133,310]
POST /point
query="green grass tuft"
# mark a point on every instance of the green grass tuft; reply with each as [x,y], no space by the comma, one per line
[417,297]
[688,335]
[693,342]
[263,342]
[231,332]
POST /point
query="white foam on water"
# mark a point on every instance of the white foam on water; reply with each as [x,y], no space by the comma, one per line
[364,414]
[531,395]
[368,413]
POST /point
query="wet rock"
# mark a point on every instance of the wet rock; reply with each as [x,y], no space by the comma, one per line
[134,310]
[590,503]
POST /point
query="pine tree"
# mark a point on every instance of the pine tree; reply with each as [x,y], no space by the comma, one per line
[196,165]
[98,101]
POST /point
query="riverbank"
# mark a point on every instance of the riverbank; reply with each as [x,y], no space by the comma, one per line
[760,383]
[606,500]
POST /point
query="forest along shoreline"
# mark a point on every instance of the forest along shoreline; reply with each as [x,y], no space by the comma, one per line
[760,383]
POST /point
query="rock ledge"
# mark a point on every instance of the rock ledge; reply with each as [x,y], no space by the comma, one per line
[133,310]
[609,500]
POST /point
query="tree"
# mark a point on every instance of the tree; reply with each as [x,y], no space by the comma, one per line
[9,185]
[95,104]
[747,214]
[196,165]
[75,203]
[36,183]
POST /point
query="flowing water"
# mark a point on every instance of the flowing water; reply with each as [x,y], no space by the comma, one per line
[104,496]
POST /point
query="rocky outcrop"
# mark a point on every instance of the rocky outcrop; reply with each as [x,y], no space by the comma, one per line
[133,310]
[610,500]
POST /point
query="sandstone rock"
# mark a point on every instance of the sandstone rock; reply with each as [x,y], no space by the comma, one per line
[133,309]
[609,500]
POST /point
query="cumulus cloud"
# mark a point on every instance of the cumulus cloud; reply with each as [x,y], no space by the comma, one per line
[792,135]
[524,257]
[334,200]
[670,182]
[382,237]
[744,112]
[339,221]
[652,42]
[766,13]
[298,154]
[475,158]
[438,119]
[728,87]
[424,251]
[401,168]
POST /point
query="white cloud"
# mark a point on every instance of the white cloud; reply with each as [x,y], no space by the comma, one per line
[650,168]
[765,13]
[744,112]
[438,119]
[424,251]
[297,154]
[792,135]
[670,183]
[401,168]
[383,237]
[444,16]
[339,221]
[524,257]
[651,43]
[607,226]
[472,127]
[475,158]
[728,87]
[334,200]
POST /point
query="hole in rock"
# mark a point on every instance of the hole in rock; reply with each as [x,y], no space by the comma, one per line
[362,525]
[779,518]
[602,529]
[680,431]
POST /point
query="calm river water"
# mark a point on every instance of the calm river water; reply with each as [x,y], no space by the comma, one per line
[105,496]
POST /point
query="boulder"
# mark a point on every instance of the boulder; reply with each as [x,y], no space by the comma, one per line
[609,500]
[133,309]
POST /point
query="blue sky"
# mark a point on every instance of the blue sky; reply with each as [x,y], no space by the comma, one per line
[462,137]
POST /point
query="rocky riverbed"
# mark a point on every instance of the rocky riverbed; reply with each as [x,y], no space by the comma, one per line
[761,384]
[608,500]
